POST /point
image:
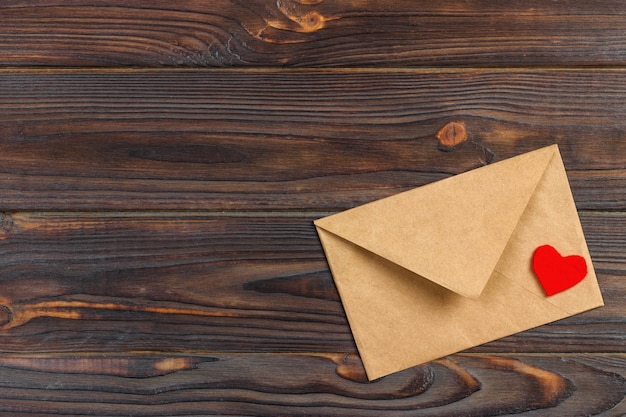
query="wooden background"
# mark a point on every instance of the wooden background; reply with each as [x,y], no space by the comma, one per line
[161,164]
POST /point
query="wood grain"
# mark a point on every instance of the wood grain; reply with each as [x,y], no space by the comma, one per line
[157,252]
[308,385]
[296,140]
[311,33]
[84,282]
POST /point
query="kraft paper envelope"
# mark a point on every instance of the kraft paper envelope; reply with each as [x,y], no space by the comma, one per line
[447,266]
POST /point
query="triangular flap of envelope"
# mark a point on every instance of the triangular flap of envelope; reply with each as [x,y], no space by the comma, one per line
[453,231]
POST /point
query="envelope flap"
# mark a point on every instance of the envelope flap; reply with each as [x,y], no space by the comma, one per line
[453,231]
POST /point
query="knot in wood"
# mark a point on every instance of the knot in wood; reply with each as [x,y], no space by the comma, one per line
[452,134]
[5,315]
[311,22]
[6,222]
[351,368]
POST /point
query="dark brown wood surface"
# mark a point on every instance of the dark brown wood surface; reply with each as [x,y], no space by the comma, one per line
[157,251]
[321,33]
[235,140]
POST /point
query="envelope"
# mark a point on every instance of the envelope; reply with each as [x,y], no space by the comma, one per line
[447,266]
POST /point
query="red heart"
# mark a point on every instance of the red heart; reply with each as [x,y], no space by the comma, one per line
[557,273]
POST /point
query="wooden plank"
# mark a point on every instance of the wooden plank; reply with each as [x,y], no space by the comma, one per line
[303,140]
[111,282]
[312,33]
[309,385]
